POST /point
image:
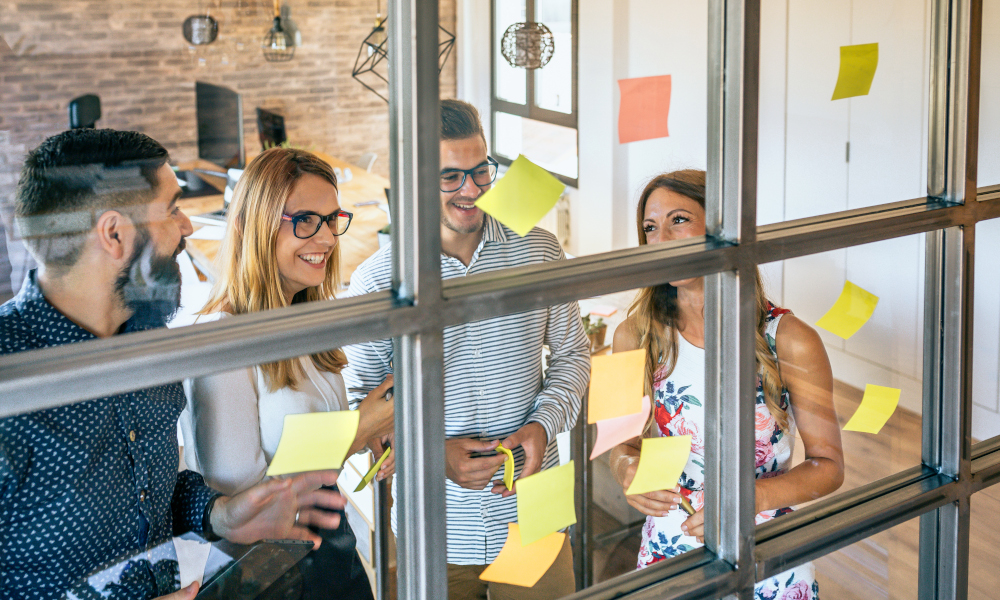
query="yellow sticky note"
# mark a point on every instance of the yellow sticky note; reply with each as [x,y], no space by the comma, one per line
[522,196]
[545,502]
[523,565]
[314,441]
[876,407]
[508,467]
[661,462]
[850,312]
[372,471]
[616,385]
[857,70]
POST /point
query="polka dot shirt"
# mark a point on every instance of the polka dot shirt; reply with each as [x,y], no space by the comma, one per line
[84,484]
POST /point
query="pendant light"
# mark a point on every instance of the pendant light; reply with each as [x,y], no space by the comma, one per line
[527,45]
[278,45]
[378,36]
[201,29]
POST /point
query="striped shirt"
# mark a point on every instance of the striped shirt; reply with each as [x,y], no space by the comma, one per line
[493,378]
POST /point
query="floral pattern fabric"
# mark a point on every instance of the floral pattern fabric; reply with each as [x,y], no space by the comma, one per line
[678,410]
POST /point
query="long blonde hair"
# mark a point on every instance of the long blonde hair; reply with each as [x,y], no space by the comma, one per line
[249,280]
[654,311]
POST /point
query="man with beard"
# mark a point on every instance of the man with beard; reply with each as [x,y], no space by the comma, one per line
[494,387]
[90,483]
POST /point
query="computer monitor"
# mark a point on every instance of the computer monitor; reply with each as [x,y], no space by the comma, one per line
[271,127]
[220,125]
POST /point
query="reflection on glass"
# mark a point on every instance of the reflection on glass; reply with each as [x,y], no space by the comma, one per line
[986,338]
[552,147]
[881,566]
[984,539]
[554,82]
[511,83]
[989,99]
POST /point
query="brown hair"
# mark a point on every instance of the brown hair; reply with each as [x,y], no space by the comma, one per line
[655,308]
[460,120]
[249,280]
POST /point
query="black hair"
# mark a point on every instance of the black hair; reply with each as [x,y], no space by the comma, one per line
[460,120]
[73,177]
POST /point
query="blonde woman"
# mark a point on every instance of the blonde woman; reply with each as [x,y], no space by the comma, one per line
[794,391]
[280,248]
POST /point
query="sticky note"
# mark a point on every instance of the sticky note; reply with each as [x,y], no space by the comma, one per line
[876,407]
[522,196]
[372,471]
[523,565]
[643,109]
[192,556]
[857,70]
[314,441]
[508,467]
[545,502]
[563,445]
[612,432]
[661,462]
[850,312]
[603,310]
[616,385]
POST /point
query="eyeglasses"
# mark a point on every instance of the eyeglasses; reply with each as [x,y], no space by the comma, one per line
[306,225]
[483,175]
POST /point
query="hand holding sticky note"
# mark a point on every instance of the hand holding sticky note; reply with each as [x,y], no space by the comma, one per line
[850,312]
[876,407]
[612,432]
[546,502]
[508,467]
[314,442]
[857,70]
[661,462]
[616,385]
[372,471]
[522,565]
[522,197]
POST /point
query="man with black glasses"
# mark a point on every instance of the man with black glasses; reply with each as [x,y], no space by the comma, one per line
[89,483]
[495,389]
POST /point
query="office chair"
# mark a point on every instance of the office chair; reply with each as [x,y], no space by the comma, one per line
[367,161]
[84,112]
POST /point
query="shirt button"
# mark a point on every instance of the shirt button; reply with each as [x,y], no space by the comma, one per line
[131,436]
[142,495]
[482,393]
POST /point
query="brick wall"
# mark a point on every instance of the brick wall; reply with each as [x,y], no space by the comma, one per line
[133,55]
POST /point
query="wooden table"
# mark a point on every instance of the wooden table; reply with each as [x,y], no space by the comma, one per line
[356,245]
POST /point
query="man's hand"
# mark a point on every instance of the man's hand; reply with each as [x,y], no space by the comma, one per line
[378,446]
[187,593]
[281,508]
[533,440]
[468,472]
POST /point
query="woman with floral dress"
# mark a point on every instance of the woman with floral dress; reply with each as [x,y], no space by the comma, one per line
[794,396]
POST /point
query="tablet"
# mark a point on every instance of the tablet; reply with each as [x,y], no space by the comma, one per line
[251,574]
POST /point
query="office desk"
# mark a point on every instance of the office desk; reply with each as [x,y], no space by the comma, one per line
[356,245]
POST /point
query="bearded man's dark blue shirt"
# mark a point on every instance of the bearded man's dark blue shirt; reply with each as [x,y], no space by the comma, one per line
[85,484]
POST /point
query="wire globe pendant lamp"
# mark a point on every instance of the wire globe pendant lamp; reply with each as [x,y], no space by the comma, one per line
[527,45]
[278,45]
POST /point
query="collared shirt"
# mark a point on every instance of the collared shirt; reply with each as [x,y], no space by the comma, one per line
[493,378]
[84,484]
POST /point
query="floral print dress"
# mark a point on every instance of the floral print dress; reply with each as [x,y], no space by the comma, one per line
[678,410]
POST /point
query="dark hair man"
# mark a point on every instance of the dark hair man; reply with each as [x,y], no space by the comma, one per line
[494,387]
[88,483]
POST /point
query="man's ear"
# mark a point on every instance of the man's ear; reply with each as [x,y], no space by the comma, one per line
[114,234]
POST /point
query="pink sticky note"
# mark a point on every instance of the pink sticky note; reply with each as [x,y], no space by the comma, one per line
[603,310]
[644,107]
[612,432]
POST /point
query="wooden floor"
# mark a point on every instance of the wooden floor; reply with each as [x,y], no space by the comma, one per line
[883,566]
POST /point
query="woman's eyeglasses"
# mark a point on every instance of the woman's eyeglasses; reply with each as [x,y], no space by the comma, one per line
[483,175]
[306,225]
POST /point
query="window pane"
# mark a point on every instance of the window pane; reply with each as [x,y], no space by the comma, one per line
[989,97]
[511,82]
[984,539]
[818,155]
[881,567]
[550,146]
[554,82]
[986,349]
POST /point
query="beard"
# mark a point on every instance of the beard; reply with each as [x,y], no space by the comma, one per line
[463,230]
[150,285]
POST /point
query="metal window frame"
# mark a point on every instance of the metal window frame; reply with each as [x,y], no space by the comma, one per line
[529,109]
[422,305]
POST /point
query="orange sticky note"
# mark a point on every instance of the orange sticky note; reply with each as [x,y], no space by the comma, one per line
[850,312]
[616,384]
[876,407]
[644,107]
[523,565]
[612,432]
[661,462]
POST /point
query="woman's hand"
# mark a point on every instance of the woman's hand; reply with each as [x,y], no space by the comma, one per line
[695,526]
[624,462]
[376,419]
